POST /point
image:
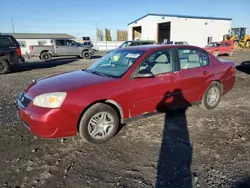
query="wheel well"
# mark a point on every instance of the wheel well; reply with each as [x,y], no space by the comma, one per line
[45,51]
[104,101]
[85,50]
[220,83]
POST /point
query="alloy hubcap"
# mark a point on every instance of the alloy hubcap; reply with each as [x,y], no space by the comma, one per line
[213,96]
[86,55]
[101,125]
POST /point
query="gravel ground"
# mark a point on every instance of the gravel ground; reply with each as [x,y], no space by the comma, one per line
[192,148]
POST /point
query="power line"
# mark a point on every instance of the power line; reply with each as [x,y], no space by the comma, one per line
[13,28]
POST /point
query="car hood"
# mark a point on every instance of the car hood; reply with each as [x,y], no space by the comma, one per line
[64,82]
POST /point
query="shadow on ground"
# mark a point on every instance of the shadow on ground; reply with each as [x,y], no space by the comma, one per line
[42,65]
[175,158]
[244,183]
[244,67]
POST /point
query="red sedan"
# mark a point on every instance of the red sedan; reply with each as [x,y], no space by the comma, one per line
[220,48]
[123,85]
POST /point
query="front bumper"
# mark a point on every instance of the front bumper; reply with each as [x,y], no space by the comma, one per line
[47,123]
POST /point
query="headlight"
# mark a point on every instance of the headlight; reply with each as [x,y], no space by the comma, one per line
[50,100]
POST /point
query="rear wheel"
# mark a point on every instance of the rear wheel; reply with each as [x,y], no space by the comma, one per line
[4,66]
[215,53]
[46,56]
[230,53]
[211,97]
[99,124]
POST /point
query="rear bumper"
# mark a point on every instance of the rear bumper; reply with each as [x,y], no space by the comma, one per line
[18,61]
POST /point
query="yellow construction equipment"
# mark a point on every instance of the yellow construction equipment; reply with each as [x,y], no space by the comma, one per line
[239,37]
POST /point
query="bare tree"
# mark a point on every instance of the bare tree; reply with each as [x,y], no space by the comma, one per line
[99,34]
[122,35]
[108,35]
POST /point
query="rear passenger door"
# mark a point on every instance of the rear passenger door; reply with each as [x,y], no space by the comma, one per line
[193,72]
[60,47]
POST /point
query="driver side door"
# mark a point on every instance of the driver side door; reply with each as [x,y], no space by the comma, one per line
[73,48]
[149,93]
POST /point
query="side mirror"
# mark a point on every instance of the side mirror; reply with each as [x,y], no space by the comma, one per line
[144,75]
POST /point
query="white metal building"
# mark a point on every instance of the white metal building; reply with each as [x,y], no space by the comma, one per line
[195,30]
[27,39]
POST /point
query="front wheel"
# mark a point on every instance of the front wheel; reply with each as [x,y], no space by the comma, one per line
[211,97]
[86,55]
[99,124]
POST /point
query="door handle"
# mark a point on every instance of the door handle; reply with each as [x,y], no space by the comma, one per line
[205,73]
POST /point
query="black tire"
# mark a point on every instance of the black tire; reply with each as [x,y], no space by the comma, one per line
[86,55]
[4,66]
[87,116]
[46,56]
[204,103]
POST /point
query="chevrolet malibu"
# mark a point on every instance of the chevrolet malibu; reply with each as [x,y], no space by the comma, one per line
[124,85]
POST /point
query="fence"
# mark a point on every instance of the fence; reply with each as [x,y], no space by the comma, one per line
[106,45]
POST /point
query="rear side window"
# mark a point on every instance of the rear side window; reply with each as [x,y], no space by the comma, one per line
[192,58]
[6,42]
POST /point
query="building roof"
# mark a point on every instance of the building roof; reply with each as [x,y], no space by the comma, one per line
[41,35]
[180,16]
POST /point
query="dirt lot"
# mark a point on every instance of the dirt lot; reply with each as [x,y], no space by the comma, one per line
[196,148]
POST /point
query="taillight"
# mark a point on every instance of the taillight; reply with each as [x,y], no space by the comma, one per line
[31,48]
[18,52]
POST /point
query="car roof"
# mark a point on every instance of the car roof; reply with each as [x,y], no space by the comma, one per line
[156,47]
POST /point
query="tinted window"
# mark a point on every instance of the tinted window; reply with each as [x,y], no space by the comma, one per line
[159,62]
[5,41]
[192,58]
[60,42]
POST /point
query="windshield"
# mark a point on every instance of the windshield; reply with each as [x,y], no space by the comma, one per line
[126,44]
[116,63]
[213,44]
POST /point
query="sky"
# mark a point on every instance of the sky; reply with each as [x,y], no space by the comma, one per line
[82,17]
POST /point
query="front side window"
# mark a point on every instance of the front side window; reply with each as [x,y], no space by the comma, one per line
[159,62]
[60,42]
[192,58]
[116,63]
[71,43]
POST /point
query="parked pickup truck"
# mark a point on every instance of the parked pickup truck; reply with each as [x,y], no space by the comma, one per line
[10,53]
[61,47]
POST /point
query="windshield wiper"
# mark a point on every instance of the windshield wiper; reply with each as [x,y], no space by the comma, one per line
[97,73]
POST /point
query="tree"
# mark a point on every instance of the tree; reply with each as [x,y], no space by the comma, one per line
[122,35]
[99,34]
[108,35]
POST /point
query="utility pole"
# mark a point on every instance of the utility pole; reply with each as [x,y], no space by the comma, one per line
[13,28]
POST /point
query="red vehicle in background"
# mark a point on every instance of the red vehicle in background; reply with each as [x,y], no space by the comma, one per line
[220,48]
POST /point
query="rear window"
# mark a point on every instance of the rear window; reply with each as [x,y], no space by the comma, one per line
[6,42]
